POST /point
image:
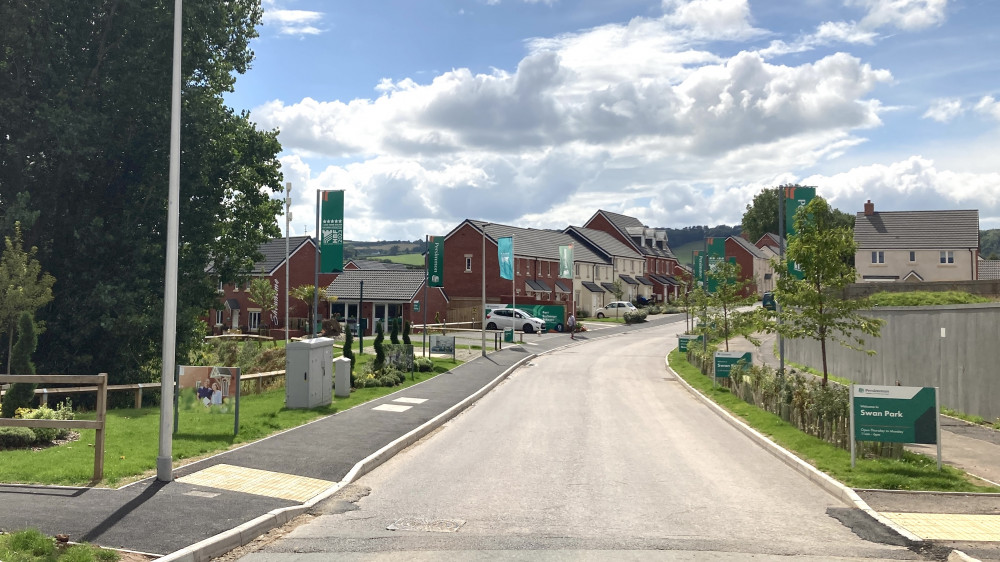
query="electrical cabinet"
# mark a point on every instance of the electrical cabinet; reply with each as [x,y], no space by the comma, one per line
[309,373]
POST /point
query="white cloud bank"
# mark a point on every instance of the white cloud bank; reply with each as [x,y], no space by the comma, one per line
[635,118]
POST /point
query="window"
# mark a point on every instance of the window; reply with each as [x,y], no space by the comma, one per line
[468,263]
[913,256]
[878,257]
[632,265]
[218,317]
[947,256]
[220,287]
[576,270]
[253,320]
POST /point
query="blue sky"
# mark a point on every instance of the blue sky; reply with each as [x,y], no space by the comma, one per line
[538,113]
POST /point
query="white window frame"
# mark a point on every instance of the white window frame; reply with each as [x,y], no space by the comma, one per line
[947,257]
[219,317]
[468,263]
[878,257]
[253,319]
[913,257]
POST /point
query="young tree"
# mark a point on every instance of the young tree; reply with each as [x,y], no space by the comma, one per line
[24,287]
[263,293]
[730,293]
[813,307]
[349,351]
[379,352]
[307,294]
[20,395]
[394,331]
[406,332]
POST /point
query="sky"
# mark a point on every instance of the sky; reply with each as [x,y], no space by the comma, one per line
[538,113]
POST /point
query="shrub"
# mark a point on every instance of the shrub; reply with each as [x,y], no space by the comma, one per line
[423,364]
[16,437]
[20,395]
[635,317]
[331,328]
[44,434]
[379,352]
[406,332]
[349,353]
[394,332]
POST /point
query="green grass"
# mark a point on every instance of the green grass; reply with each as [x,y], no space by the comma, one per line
[31,545]
[132,436]
[926,298]
[913,472]
[408,259]
[609,320]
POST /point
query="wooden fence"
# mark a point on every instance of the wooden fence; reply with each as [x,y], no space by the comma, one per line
[101,382]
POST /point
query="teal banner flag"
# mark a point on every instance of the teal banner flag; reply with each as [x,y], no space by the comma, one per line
[505,257]
[566,262]
[435,261]
[331,228]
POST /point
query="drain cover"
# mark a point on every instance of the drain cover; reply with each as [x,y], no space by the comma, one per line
[428,525]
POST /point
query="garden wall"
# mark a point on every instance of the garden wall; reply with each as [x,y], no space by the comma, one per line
[911,352]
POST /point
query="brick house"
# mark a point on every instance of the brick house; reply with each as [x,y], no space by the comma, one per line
[383,293]
[536,269]
[662,266]
[916,245]
[238,313]
[754,263]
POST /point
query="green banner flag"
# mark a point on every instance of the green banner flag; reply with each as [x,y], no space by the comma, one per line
[716,255]
[331,228]
[505,256]
[435,261]
[566,262]
[795,198]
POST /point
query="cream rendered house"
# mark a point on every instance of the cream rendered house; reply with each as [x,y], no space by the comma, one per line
[916,246]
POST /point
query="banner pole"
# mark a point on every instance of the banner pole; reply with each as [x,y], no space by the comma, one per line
[851,428]
[319,242]
[427,278]
[937,421]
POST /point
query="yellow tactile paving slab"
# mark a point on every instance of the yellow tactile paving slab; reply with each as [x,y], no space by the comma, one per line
[949,526]
[259,482]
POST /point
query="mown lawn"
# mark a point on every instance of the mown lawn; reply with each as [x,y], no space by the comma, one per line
[132,436]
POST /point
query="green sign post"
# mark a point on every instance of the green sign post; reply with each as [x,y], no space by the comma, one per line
[683,340]
[725,360]
[435,261]
[895,414]
[331,227]
[796,197]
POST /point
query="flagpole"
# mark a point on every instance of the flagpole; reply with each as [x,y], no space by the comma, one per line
[513,277]
[427,280]
[482,322]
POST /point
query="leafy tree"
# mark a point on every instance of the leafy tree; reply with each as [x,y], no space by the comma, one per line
[349,351]
[307,294]
[20,395]
[24,287]
[84,114]
[761,216]
[813,307]
[730,293]
[263,293]
[617,290]
[379,352]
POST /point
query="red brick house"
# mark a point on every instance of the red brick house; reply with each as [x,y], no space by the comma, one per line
[237,312]
[384,293]
[754,262]
[663,269]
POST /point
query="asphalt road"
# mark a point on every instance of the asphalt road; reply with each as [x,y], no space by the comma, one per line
[590,452]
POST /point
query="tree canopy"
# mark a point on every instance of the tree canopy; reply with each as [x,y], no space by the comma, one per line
[761,216]
[84,123]
[813,307]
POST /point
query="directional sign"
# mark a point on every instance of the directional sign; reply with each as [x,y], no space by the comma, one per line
[683,340]
[725,360]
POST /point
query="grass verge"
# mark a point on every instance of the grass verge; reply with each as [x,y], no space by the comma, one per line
[34,546]
[132,436]
[912,472]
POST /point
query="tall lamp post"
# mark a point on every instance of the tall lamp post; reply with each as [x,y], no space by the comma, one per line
[164,459]
[288,218]
[482,323]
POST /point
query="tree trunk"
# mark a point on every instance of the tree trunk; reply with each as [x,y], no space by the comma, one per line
[822,349]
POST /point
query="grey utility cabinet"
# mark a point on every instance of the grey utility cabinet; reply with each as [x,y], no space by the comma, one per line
[309,373]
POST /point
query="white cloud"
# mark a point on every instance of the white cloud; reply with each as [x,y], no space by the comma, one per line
[907,15]
[989,106]
[944,110]
[711,19]
[294,22]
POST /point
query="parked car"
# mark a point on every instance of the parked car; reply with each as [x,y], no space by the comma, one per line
[615,309]
[516,318]
[767,301]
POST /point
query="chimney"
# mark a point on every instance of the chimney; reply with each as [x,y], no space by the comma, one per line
[869,208]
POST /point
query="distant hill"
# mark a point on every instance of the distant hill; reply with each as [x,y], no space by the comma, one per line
[683,240]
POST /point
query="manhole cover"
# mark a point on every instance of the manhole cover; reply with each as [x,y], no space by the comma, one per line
[427,525]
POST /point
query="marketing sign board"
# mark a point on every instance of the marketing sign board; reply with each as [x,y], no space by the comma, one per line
[331,228]
[725,360]
[795,198]
[435,261]
[698,267]
[684,340]
[896,414]
[716,255]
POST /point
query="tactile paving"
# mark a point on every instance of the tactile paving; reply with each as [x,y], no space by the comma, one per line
[259,482]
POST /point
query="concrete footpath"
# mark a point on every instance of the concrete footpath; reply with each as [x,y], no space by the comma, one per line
[224,501]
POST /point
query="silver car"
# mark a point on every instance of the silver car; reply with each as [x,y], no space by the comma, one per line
[516,318]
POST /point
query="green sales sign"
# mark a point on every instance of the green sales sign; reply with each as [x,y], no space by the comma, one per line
[895,414]
[795,198]
[331,228]
[725,360]
[435,261]
[684,340]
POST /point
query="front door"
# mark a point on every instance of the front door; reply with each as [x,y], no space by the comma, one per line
[235,315]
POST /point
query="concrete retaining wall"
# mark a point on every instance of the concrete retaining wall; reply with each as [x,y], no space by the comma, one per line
[965,364]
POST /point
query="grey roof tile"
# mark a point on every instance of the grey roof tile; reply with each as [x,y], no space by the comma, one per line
[917,230]
[386,285]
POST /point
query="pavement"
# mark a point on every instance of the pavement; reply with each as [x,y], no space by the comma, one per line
[224,501]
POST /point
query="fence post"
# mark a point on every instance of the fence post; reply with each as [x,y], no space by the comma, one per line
[102,405]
